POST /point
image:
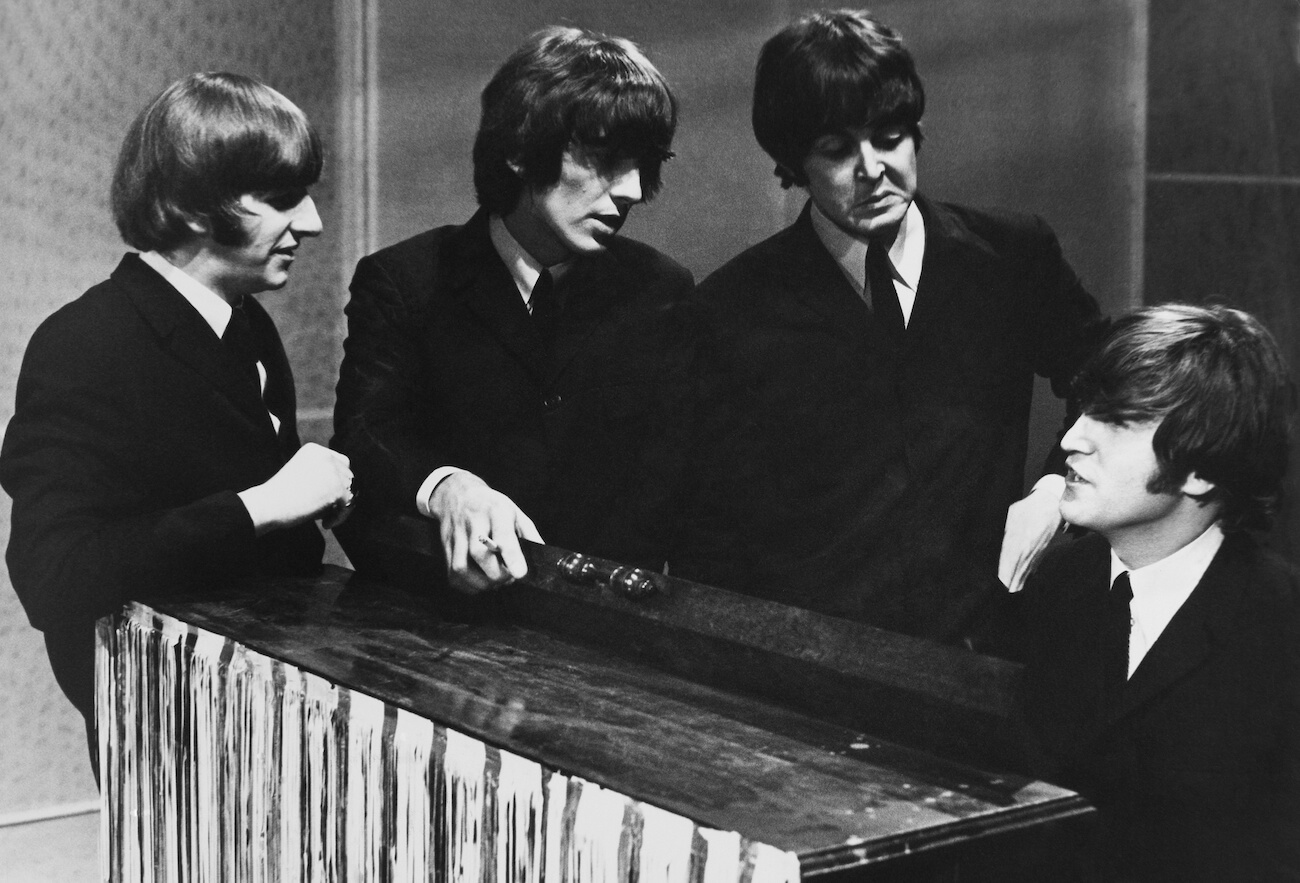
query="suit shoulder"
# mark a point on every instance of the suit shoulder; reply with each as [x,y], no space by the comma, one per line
[997,226]
[645,260]
[93,319]
[422,248]
[1268,571]
[755,267]
[1066,557]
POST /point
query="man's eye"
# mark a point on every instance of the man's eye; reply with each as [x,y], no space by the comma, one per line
[888,139]
[831,146]
[285,199]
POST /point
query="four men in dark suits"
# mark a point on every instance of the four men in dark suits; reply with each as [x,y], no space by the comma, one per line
[153,448]
[1162,651]
[502,377]
[870,368]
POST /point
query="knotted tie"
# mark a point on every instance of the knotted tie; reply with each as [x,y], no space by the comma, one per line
[1119,623]
[238,340]
[880,285]
[544,306]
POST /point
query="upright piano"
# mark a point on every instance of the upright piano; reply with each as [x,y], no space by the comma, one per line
[590,723]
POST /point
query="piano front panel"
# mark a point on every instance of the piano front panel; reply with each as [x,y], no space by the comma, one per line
[222,763]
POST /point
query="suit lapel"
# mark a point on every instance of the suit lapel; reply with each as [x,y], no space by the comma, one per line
[593,290]
[811,280]
[184,335]
[1076,636]
[479,280]
[1191,635]
[951,256]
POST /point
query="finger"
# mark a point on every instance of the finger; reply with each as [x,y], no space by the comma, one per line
[511,554]
[525,528]
[484,552]
[1008,561]
[470,582]
[455,543]
[1018,577]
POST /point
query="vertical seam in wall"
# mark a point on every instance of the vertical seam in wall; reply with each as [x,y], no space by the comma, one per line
[1141,60]
[357,148]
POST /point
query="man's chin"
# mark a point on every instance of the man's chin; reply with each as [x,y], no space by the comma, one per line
[600,241]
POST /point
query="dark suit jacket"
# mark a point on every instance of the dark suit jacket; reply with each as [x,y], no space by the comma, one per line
[443,366]
[840,473]
[1196,770]
[130,438]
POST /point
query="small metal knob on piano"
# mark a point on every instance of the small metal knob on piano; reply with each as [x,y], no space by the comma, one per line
[629,582]
[580,569]
[632,582]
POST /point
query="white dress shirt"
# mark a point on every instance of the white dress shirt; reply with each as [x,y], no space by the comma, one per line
[1160,589]
[905,255]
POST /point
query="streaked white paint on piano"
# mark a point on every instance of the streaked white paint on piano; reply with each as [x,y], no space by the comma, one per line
[464,766]
[321,780]
[557,798]
[412,847]
[223,764]
[598,827]
[365,796]
[521,802]
[666,840]
[722,861]
[771,865]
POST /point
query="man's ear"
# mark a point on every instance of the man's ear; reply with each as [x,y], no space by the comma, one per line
[516,166]
[1195,486]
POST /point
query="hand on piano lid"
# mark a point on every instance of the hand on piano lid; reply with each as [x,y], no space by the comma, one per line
[480,530]
[1031,524]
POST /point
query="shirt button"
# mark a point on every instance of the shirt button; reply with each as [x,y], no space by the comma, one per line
[550,403]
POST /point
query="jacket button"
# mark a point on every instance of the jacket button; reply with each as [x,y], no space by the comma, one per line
[550,403]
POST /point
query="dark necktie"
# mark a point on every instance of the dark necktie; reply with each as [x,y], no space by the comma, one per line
[544,306]
[880,285]
[1119,623]
[238,340]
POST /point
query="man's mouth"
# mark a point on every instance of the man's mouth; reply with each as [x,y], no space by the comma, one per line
[613,222]
[1072,477]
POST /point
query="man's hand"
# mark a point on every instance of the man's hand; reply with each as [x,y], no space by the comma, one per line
[315,482]
[480,531]
[1031,524]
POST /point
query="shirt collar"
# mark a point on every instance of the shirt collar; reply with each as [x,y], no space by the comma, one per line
[1160,589]
[524,268]
[850,252]
[210,305]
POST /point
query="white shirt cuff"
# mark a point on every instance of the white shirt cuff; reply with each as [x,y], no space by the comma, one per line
[425,493]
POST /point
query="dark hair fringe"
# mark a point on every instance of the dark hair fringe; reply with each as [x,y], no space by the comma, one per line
[567,86]
[1215,379]
[830,72]
[197,147]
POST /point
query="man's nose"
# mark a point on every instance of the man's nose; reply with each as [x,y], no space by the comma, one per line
[869,160]
[626,187]
[306,220]
[1076,437]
